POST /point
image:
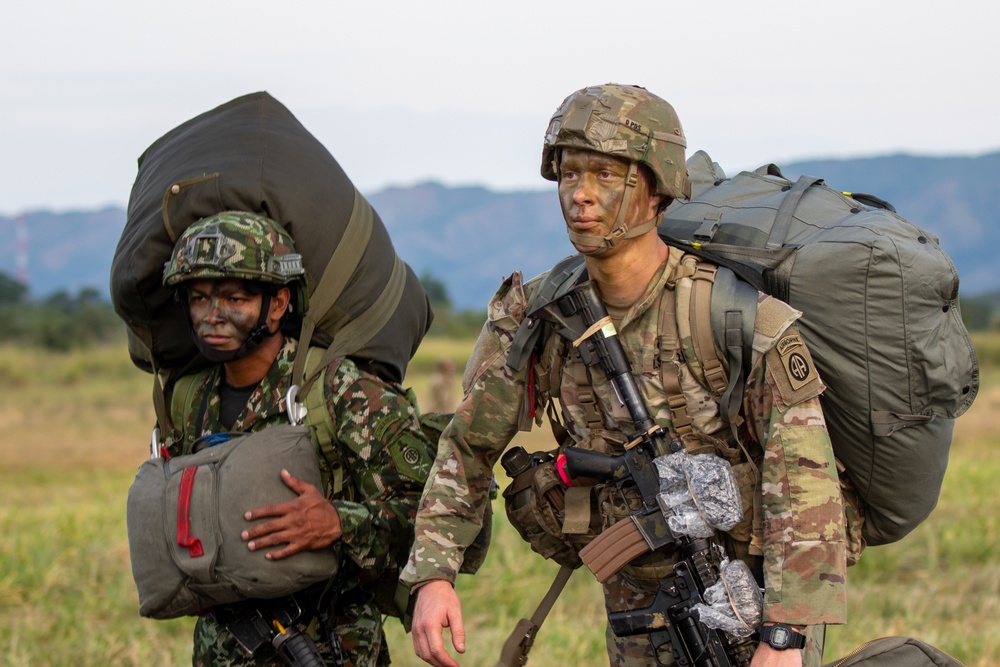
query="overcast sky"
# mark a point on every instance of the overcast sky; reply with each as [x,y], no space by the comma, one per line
[460,91]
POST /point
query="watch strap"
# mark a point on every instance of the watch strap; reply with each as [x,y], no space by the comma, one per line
[772,635]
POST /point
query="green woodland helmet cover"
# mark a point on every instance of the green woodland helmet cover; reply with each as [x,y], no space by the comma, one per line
[240,245]
[244,246]
[624,121]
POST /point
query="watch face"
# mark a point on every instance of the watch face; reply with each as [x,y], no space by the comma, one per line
[779,637]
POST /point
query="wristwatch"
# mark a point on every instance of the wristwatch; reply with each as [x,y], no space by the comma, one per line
[780,636]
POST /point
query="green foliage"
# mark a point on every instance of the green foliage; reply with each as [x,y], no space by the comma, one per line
[980,313]
[448,322]
[461,324]
[12,292]
[987,347]
[437,291]
[60,322]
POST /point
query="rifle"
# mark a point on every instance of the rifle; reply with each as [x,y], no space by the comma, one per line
[675,616]
[255,623]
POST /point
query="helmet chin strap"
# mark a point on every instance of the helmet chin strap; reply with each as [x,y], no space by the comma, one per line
[594,246]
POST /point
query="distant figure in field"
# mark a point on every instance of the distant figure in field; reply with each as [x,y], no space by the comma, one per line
[442,390]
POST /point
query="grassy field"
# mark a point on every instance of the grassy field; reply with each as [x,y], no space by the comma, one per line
[75,427]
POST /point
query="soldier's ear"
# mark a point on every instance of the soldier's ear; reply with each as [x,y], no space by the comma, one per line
[280,303]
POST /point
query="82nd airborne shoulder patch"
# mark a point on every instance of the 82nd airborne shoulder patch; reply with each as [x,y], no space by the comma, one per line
[793,369]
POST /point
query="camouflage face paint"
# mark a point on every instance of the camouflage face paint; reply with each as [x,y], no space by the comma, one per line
[223,313]
[591,191]
[591,186]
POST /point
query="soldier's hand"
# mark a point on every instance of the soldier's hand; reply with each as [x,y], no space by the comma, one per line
[308,522]
[437,607]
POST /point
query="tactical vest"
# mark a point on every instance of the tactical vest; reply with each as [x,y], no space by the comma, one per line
[684,366]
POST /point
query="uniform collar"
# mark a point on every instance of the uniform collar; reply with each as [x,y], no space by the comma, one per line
[267,401]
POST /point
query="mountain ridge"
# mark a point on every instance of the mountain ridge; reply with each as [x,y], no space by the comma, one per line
[470,237]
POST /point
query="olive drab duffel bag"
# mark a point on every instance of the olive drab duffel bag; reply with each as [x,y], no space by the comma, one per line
[251,154]
[881,317]
[896,652]
[185,517]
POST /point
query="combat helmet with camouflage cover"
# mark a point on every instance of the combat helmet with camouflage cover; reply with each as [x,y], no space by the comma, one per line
[236,244]
[627,122]
[244,246]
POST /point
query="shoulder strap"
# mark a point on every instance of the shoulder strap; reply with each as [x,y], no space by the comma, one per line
[558,281]
[318,416]
[732,311]
[182,397]
[717,311]
[669,348]
[359,330]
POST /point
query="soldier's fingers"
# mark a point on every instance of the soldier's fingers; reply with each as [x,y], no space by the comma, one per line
[287,551]
[434,651]
[457,631]
[296,484]
[276,529]
[280,509]
[428,643]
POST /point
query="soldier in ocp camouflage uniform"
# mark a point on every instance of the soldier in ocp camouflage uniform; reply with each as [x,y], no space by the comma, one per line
[242,281]
[617,153]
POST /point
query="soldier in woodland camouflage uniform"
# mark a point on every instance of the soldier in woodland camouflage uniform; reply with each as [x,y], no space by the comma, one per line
[242,281]
[617,153]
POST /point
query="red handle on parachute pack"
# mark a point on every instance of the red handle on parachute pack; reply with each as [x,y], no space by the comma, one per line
[184,537]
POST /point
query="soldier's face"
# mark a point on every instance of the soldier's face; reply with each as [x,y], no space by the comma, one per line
[223,312]
[591,189]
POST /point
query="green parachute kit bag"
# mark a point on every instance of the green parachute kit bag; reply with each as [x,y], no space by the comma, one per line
[185,557]
[896,652]
[881,317]
[251,154]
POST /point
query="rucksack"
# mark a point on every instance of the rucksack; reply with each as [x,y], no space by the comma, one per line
[881,317]
[251,154]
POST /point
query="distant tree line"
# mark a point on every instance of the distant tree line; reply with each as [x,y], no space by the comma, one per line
[61,321]
[65,321]
[981,313]
[448,322]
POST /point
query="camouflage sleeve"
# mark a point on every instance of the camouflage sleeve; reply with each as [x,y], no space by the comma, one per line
[803,518]
[379,435]
[451,510]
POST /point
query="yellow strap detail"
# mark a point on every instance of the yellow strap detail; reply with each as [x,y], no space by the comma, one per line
[595,327]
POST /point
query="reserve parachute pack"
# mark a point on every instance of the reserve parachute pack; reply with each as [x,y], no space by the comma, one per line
[186,556]
[251,154]
[169,586]
[881,318]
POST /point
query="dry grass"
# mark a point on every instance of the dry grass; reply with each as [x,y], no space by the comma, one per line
[75,427]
